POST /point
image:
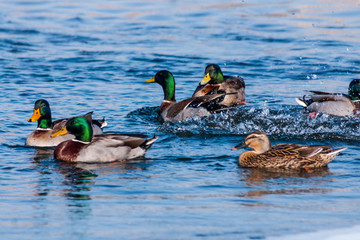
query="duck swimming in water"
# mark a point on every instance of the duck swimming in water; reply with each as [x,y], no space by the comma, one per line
[41,137]
[107,147]
[287,156]
[215,82]
[335,104]
[171,110]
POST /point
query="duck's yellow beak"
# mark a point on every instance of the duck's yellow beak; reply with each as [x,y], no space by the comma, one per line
[205,79]
[151,80]
[36,115]
[61,132]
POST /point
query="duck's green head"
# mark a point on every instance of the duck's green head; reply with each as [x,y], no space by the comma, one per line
[212,75]
[354,89]
[42,114]
[78,126]
[167,81]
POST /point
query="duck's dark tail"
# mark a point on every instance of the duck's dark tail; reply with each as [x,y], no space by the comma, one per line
[303,102]
[148,142]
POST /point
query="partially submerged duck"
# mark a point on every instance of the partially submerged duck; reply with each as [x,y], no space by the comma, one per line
[170,110]
[41,137]
[107,147]
[215,82]
[283,155]
[335,104]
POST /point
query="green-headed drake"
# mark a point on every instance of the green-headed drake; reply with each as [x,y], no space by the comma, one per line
[41,137]
[106,147]
[215,82]
[336,104]
[283,155]
[170,110]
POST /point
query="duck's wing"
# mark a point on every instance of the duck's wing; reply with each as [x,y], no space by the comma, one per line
[234,82]
[329,103]
[103,149]
[206,89]
[195,102]
[112,147]
[322,92]
[329,97]
[297,149]
[132,141]
[289,156]
[234,85]
[59,124]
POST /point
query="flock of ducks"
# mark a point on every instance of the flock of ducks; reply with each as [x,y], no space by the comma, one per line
[81,139]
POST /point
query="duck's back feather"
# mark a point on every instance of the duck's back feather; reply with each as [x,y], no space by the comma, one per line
[290,156]
[195,106]
[335,104]
[104,148]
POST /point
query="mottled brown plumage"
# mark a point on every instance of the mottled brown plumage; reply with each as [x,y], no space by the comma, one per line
[283,155]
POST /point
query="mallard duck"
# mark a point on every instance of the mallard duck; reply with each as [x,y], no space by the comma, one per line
[336,104]
[283,155]
[170,110]
[41,137]
[107,147]
[215,82]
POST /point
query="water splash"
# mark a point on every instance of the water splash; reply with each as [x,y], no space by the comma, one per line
[284,121]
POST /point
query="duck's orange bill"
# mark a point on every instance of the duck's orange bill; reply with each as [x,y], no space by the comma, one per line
[150,80]
[61,132]
[234,148]
[36,115]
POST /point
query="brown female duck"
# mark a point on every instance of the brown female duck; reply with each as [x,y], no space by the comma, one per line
[283,155]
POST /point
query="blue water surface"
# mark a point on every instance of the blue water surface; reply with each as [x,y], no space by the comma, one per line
[95,56]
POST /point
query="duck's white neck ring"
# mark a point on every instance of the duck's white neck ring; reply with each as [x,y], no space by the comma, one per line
[75,140]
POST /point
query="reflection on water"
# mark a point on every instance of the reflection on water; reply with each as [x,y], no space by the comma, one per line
[93,56]
[284,181]
[259,177]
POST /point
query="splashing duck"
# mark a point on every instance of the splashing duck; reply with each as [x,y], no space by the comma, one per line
[335,104]
[171,110]
[215,82]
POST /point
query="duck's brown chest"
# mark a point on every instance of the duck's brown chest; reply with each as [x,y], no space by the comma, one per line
[68,150]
